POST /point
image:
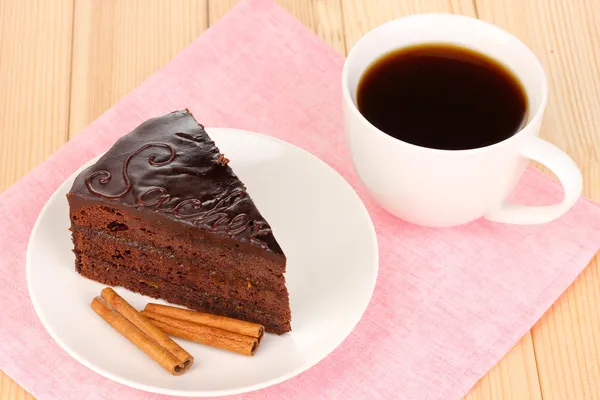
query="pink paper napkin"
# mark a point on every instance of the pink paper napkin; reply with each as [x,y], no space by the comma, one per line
[448,303]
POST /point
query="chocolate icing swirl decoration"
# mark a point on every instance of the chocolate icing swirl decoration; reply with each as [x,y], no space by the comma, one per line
[105,177]
[209,214]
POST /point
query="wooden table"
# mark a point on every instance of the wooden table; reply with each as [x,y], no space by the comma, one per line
[64,62]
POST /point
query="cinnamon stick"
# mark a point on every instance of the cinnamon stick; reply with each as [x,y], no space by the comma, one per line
[216,321]
[141,332]
[204,334]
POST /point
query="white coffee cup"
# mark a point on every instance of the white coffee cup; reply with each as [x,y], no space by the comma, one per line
[441,188]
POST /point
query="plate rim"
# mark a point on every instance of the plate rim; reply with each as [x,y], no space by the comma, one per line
[201,393]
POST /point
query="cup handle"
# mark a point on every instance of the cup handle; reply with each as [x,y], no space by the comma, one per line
[567,173]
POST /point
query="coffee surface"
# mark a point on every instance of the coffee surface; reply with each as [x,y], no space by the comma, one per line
[442,96]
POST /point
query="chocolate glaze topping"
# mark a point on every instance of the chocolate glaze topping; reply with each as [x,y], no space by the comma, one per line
[170,167]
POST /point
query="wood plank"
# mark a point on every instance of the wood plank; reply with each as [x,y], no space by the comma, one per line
[566,38]
[360,16]
[322,17]
[118,44]
[35,70]
[9,390]
[515,377]
[567,341]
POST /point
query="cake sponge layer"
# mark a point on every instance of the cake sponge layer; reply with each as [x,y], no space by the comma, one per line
[274,315]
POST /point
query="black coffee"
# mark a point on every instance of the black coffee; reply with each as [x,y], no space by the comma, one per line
[443,97]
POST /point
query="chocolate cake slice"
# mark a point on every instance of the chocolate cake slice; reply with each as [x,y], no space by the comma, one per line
[163,214]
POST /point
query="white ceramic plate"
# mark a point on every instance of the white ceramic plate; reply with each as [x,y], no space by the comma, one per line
[319,221]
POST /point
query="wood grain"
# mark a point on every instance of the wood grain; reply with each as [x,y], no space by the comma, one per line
[117,44]
[35,70]
[9,390]
[322,17]
[513,378]
[360,16]
[64,62]
[567,341]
